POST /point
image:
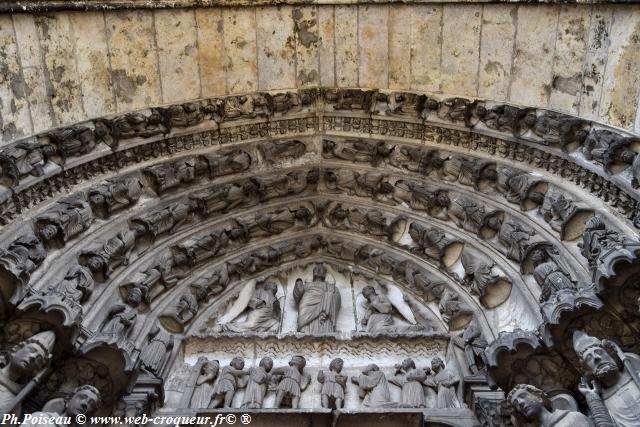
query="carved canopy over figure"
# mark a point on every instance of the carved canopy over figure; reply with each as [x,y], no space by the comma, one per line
[533,405]
[258,381]
[611,382]
[263,312]
[26,361]
[373,388]
[68,218]
[85,400]
[318,303]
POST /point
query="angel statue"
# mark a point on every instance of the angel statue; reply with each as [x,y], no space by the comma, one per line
[380,309]
[262,309]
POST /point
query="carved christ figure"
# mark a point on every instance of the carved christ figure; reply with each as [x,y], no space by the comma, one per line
[318,303]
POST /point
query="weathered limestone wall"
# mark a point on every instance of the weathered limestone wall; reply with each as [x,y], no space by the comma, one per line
[60,68]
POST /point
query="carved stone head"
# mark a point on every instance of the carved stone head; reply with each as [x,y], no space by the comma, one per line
[437,364]
[48,232]
[237,363]
[266,363]
[408,364]
[336,365]
[85,400]
[598,357]
[369,292]
[319,273]
[528,401]
[299,362]
[31,356]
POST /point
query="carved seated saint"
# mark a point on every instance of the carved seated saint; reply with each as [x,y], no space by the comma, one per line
[85,400]
[263,312]
[103,258]
[114,195]
[26,360]
[532,405]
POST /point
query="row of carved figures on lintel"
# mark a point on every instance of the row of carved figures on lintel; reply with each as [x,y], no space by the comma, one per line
[216,387]
[610,386]
[27,157]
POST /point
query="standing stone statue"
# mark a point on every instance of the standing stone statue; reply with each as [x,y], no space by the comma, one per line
[333,385]
[201,396]
[444,381]
[293,381]
[373,388]
[85,400]
[318,303]
[258,380]
[228,383]
[611,379]
[156,351]
[410,379]
[533,405]
[26,360]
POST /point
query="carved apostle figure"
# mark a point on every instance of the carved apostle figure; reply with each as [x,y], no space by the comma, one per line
[85,400]
[611,379]
[160,276]
[228,383]
[596,239]
[201,396]
[292,382]
[533,405]
[450,306]
[431,242]
[516,239]
[444,381]
[333,385]
[166,220]
[263,312]
[26,361]
[373,388]
[257,383]
[551,279]
[410,379]
[176,316]
[318,303]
